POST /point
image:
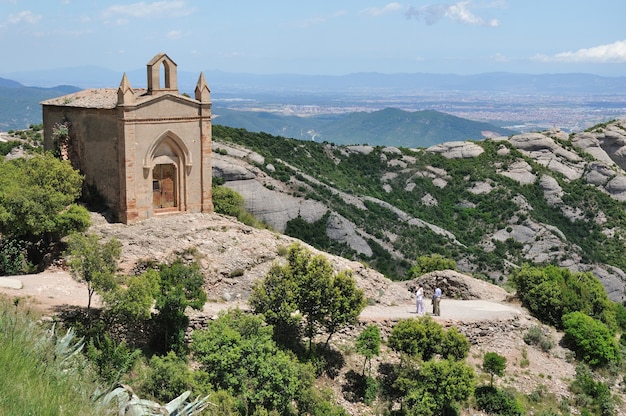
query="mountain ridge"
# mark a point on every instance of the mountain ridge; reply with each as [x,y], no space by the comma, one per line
[389,126]
[491,205]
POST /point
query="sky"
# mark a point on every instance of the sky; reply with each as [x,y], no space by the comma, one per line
[322,37]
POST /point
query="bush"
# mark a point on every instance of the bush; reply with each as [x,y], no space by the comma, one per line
[536,336]
[227,202]
[551,292]
[12,258]
[168,376]
[431,263]
[424,337]
[590,339]
[497,401]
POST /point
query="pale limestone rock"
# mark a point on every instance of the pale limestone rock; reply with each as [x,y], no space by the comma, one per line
[409,159]
[617,188]
[342,230]
[503,150]
[387,176]
[276,208]
[440,183]
[552,191]
[387,188]
[410,186]
[429,200]
[457,150]
[521,172]
[481,188]
[226,168]
[392,150]
[545,151]
[598,173]
[397,163]
[366,150]
[438,171]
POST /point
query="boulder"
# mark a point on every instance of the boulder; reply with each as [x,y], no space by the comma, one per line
[457,150]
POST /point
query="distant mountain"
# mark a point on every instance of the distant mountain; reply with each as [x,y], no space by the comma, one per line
[365,83]
[387,127]
[8,83]
[19,105]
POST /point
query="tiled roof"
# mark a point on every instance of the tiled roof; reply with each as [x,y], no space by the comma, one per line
[91,98]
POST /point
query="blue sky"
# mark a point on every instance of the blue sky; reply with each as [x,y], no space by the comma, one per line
[318,37]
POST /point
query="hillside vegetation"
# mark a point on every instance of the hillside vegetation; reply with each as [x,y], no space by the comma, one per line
[491,205]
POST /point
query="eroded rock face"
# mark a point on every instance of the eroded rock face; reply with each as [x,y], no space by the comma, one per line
[457,150]
[520,171]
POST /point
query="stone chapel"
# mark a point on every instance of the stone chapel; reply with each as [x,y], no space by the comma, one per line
[145,151]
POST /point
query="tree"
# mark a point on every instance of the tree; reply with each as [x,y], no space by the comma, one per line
[343,305]
[131,301]
[37,206]
[436,386]
[494,364]
[306,291]
[181,286]
[454,345]
[239,356]
[368,344]
[497,401]
[431,263]
[93,263]
[276,297]
[591,340]
[551,292]
[416,337]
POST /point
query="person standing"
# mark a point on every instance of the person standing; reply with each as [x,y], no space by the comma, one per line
[437,301]
[419,300]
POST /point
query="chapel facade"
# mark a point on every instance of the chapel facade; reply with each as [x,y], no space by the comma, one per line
[144,151]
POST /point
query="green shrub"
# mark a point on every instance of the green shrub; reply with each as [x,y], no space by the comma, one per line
[238,355]
[112,359]
[430,263]
[551,292]
[424,337]
[494,364]
[594,396]
[12,258]
[497,401]
[227,202]
[168,376]
[590,339]
[536,336]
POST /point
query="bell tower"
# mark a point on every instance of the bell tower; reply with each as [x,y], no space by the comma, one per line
[154,75]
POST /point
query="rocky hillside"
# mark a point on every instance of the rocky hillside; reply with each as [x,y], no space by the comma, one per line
[492,205]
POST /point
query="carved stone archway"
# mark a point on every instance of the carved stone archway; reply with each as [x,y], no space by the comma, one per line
[167,164]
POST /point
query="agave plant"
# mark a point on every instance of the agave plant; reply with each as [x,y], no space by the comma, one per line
[129,404]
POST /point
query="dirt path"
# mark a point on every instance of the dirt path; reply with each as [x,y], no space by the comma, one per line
[53,289]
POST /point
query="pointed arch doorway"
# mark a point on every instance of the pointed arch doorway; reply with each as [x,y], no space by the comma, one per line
[166,165]
[165,187]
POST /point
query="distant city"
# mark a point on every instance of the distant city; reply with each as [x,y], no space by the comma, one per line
[517,112]
[520,102]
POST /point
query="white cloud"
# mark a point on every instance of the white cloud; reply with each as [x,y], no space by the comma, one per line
[611,53]
[379,11]
[24,17]
[174,34]
[143,9]
[457,12]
